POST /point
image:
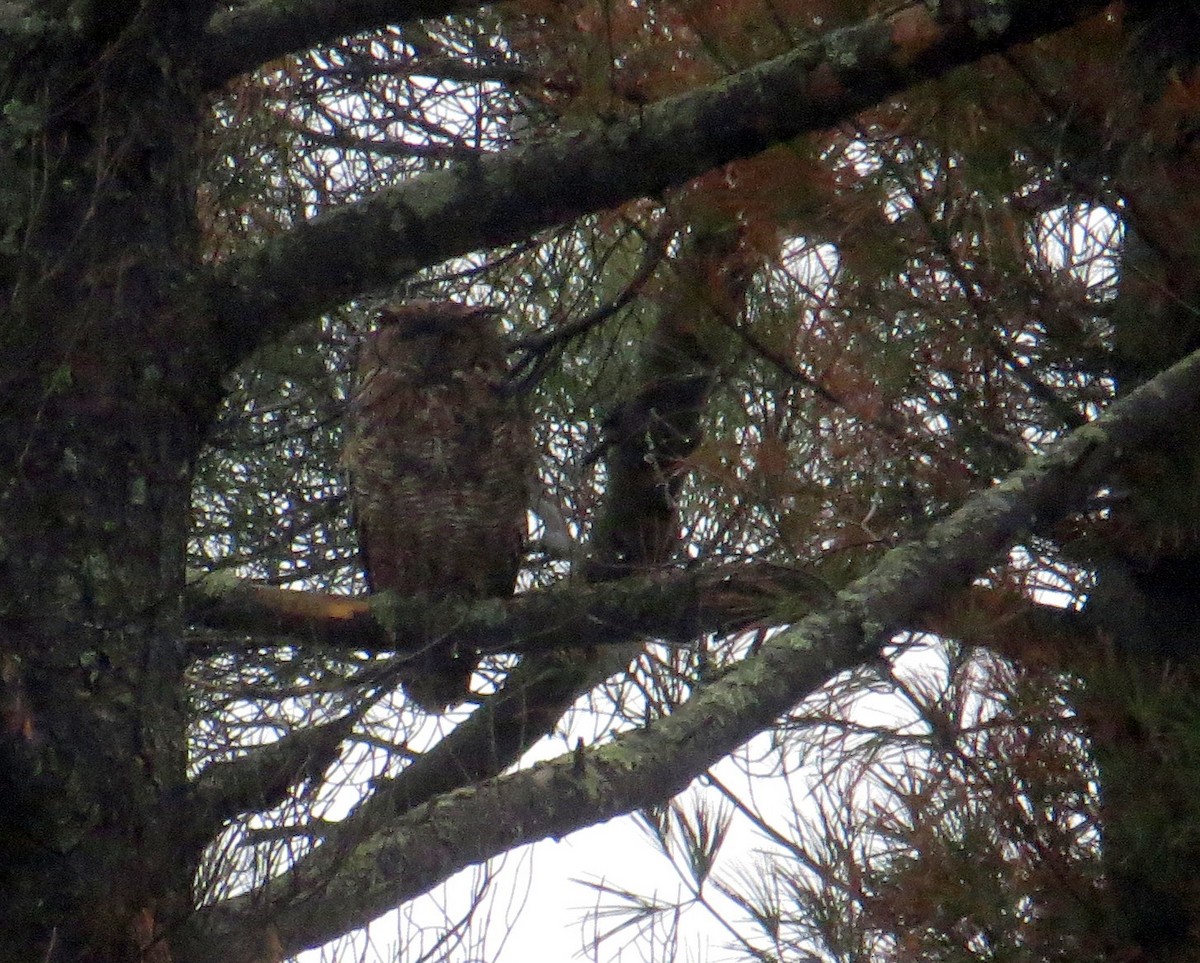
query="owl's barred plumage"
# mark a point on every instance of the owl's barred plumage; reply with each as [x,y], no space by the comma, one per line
[439,459]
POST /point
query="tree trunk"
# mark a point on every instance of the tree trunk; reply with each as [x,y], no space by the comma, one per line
[1141,692]
[1141,695]
[101,421]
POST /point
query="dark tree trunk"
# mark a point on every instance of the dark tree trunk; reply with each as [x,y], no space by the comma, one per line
[1141,695]
[101,417]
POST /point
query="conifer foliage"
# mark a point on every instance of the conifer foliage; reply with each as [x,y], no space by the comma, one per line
[857,342]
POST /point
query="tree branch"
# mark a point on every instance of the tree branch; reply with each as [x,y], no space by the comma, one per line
[671,605]
[262,777]
[508,196]
[239,40]
[334,891]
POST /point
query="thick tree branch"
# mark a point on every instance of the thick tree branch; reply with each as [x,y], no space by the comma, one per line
[673,606]
[425,846]
[506,197]
[239,40]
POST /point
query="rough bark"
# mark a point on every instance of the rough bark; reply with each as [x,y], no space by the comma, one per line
[669,605]
[248,36]
[103,407]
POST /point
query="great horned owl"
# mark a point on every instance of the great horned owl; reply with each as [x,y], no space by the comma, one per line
[439,458]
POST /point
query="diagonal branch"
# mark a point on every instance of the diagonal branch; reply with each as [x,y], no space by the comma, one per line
[336,891]
[263,776]
[240,39]
[505,197]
